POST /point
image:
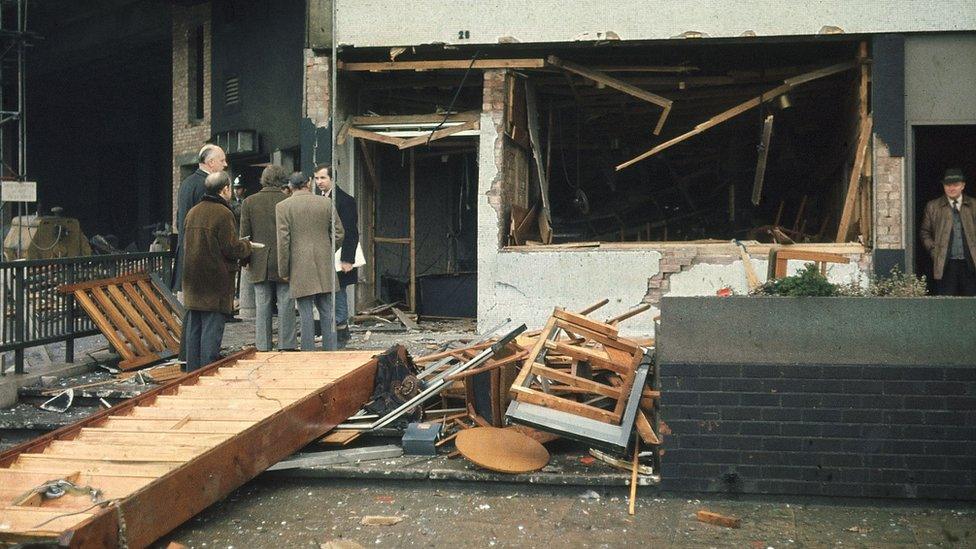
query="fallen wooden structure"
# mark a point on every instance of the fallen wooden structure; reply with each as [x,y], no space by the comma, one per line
[131,473]
[135,316]
[582,380]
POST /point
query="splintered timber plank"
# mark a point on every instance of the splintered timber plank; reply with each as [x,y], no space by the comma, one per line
[857,171]
[104,325]
[609,343]
[31,522]
[594,357]
[162,329]
[580,320]
[266,383]
[50,466]
[531,396]
[577,382]
[178,424]
[199,414]
[119,320]
[544,335]
[177,438]
[149,336]
[164,311]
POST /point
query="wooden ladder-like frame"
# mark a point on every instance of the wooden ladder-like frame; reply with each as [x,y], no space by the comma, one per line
[134,315]
[619,355]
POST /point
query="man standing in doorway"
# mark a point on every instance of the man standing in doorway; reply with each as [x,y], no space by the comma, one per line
[258,223]
[212,250]
[949,234]
[210,159]
[305,260]
[345,206]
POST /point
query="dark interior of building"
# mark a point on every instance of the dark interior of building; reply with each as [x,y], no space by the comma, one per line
[445,176]
[701,187]
[99,138]
[936,149]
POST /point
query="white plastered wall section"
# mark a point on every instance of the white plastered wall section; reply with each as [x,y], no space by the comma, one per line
[444,21]
[526,286]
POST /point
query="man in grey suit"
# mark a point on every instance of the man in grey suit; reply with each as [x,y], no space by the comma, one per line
[258,222]
[305,221]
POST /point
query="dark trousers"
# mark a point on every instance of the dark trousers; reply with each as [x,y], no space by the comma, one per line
[958,279]
[203,332]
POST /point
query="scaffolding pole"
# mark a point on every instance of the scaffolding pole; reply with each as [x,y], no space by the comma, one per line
[13,43]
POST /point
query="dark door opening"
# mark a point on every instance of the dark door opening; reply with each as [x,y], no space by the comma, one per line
[938,148]
[444,262]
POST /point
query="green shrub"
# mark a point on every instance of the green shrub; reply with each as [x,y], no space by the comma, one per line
[898,284]
[809,282]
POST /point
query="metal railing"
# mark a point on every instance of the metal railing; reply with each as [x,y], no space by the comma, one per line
[35,313]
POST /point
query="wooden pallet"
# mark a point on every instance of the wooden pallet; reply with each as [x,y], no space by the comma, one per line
[134,315]
[588,341]
[166,455]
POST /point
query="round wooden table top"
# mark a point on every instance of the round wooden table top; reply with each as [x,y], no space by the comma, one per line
[502,450]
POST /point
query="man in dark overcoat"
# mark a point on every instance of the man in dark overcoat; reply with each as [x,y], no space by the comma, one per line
[211,159]
[345,206]
[212,252]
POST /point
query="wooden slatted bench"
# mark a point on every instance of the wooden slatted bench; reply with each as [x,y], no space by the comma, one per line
[134,315]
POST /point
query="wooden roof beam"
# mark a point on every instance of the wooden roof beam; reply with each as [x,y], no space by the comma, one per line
[617,84]
[447,64]
[788,85]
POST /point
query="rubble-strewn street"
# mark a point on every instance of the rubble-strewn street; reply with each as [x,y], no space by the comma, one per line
[274,513]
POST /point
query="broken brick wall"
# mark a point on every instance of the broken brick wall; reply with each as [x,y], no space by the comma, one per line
[317,89]
[889,189]
[189,133]
[694,270]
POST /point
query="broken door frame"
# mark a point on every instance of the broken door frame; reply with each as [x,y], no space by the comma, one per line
[404,132]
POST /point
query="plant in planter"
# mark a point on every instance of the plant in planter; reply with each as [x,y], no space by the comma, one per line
[809,282]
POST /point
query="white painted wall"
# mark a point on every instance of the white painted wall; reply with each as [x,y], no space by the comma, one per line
[366,23]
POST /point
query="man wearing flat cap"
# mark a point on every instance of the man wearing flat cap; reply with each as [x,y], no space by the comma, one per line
[949,234]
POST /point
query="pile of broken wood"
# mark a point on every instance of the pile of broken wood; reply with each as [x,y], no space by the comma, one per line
[388,317]
[499,399]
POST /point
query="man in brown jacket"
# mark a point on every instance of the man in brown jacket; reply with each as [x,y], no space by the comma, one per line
[258,223]
[211,254]
[949,234]
[305,223]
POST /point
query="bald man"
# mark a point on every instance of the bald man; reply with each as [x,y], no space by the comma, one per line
[210,159]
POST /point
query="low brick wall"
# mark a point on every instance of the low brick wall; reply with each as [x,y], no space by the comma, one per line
[834,430]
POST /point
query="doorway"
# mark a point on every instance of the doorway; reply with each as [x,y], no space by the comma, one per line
[937,148]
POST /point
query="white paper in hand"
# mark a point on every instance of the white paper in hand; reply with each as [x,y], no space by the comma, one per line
[360,258]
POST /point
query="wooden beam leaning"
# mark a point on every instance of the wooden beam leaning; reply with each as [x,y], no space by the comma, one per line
[447,64]
[373,136]
[433,118]
[855,180]
[757,184]
[617,84]
[745,106]
[439,134]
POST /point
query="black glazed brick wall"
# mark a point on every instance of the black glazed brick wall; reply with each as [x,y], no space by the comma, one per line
[832,430]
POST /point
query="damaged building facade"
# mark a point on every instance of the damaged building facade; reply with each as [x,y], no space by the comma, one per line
[506,162]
